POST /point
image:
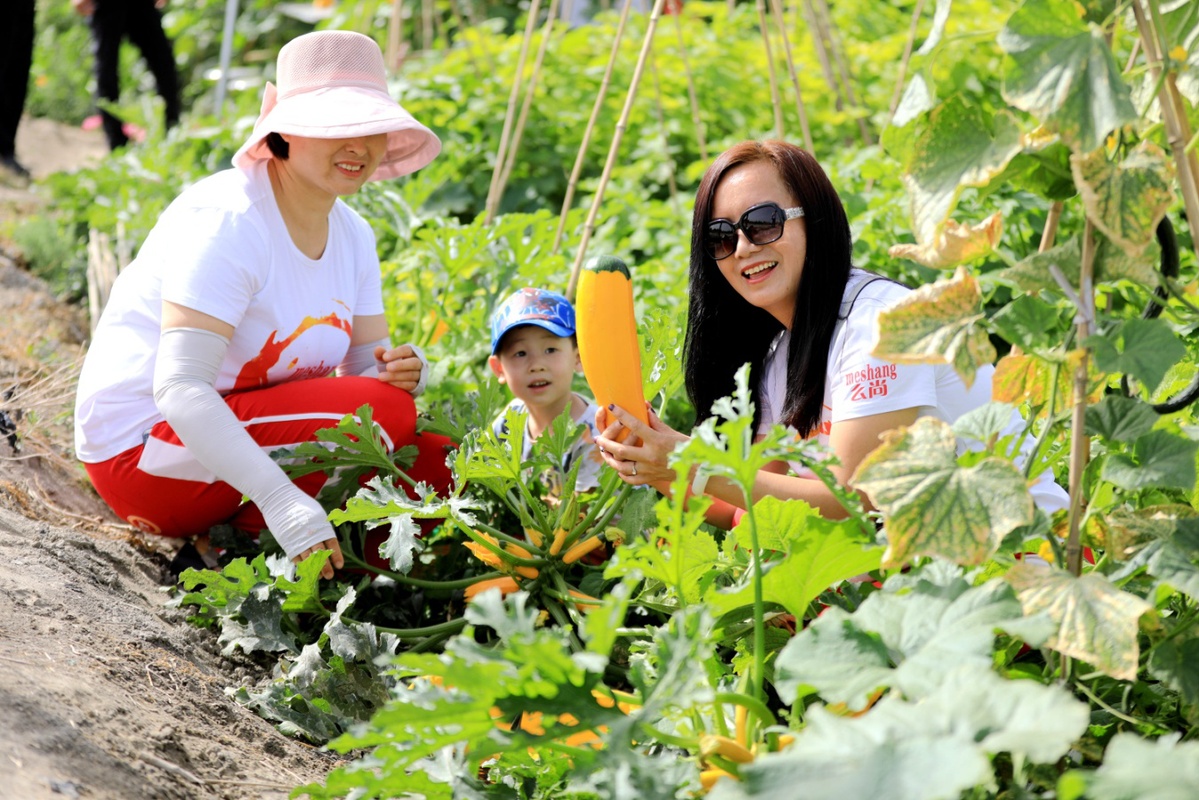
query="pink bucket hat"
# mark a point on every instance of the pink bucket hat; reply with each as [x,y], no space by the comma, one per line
[332,85]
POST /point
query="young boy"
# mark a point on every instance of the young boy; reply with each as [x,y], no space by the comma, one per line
[534,352]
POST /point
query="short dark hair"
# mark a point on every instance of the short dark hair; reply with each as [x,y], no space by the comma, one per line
[277,145]
[724,331]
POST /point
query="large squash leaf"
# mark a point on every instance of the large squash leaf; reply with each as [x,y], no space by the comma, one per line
[937,324]
[909,636]
[1159,458]
[933,506]
[1146,349]
[1134,767]
[1095,621]
[1126,199]
[1062,71]
[960,145]
[971,714]
[819,553]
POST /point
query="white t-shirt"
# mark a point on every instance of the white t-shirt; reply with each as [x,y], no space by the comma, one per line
[860,385]
[222,248]
[583,449]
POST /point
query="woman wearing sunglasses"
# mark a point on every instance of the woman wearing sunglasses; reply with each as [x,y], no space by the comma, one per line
[772,284]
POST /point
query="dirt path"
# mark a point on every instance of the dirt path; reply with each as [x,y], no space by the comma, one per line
[104,691]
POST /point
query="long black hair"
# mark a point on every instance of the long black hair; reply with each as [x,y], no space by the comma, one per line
[724,331]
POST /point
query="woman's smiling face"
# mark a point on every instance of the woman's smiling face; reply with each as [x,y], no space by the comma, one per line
[766,275]
[336,167]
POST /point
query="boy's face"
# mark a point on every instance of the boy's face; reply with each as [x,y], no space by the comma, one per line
[537,366]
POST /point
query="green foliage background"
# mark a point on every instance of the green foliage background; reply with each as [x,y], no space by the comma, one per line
[958,670]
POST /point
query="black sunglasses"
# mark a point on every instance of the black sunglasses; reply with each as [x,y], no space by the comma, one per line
[762,224]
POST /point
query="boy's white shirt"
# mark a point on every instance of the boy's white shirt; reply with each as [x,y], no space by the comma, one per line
[584,448]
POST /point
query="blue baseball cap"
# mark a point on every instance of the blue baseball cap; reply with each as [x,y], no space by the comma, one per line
[539,307]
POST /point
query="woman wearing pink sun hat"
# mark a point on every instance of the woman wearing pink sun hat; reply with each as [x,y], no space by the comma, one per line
[257,284]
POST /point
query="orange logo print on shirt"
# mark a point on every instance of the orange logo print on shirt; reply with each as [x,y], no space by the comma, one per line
[254,373]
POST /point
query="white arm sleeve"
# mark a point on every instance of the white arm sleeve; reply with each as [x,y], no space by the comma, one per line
[360,359]
[424,371]
[184,376]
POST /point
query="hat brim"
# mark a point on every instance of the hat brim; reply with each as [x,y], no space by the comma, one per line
[552,327]
[346,112]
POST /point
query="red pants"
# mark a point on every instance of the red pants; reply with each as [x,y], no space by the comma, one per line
[146,486]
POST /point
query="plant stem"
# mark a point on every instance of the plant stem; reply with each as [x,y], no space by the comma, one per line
[1080,443]
[449,627]
[751,704]
[421,583]
[759,676]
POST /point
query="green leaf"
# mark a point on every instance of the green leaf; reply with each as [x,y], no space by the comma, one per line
[662,350]
[971,714]
[1126,199]
[835,658]
[1175,662]
[401,542]
[926,631]
[1133,767]
[1175,559]
[1062,71]
[937,324]
[349,451]
[1126,532]
[818,553]
[962,145]
[1146,349]
[1095,621]
[260,626]
[940,17]
[1159,458]
[687,553]
[1120,419]
[914,767]
[1031,323]
[932,506]
[1033,274]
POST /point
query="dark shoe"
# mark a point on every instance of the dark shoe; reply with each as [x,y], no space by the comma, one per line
[187,557]
[13,173]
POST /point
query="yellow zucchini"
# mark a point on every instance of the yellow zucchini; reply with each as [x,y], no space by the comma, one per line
[607,332]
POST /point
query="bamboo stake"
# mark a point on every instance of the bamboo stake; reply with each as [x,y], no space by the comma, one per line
[1174,116]
[672,185]
[589,227]
[502,153]
[799,105]
[774,81]
[595,110]
[700,137]
[1080,443]
[1051,222]
[819,39]
[528,102]
[395,39]
[843,69]
[903,64]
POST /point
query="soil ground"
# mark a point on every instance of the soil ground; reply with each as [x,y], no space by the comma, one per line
[104,691]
